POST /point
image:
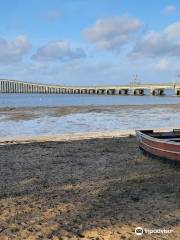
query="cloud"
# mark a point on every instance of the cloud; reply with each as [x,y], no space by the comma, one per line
[112,33]
[59,50]
[52,15]
[37,67]
[13,51]
[173,30]
[163,64]
[169,9]
[159,44]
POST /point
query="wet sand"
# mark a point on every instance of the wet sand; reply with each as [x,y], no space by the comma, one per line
[96,188]
[29,113]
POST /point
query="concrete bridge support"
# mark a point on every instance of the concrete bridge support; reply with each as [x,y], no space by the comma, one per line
[63,91]
[77,91]
[71,91]
[178,92]
[111,92]
[139,92]
[92,91]
[53,90]
[101,91]
[157,92]
[84,91]
[124,91]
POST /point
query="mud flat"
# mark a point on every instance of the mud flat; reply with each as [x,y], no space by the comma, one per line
[29,113]
[94,187]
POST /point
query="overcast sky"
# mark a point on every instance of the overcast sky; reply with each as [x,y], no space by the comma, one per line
[88,42]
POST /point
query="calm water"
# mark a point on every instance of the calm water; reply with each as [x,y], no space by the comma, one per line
[20,100]
[115,119]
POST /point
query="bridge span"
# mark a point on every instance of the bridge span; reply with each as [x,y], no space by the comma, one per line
[13,86]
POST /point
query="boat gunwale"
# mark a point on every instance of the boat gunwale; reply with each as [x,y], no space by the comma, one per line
[146,136]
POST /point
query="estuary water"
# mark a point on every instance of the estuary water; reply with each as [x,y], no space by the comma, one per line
[52,100]
[38,114]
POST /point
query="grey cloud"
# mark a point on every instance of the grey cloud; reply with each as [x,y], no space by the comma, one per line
[60,50]
[112,33]
[13,51]
[159,44]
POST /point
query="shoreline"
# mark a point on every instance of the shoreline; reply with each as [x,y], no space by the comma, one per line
[91,105]
[68,137]
[50,122]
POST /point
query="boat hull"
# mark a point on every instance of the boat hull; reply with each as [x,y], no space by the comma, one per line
[158,147]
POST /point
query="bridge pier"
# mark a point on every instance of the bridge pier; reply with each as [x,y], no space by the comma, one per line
[9,87]
[123,91]
[46,90]
[76,91]
[34,89]
[92,91]
[71,91]
[111,92]
[63,91]
[38,89]
[101,91]
[157,92]
[139,92]
[178,92]
[84,91]
[42,89]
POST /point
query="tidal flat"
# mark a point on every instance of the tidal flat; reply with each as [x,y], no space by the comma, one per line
[28,121]
[98,188]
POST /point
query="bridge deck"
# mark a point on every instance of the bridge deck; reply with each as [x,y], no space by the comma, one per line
[13,86]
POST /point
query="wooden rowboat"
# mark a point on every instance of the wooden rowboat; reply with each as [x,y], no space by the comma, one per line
[165,145]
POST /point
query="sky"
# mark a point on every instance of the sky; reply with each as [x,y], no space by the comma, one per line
[90,42]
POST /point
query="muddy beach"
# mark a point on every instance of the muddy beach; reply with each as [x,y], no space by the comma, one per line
[99,188]
[28,113]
